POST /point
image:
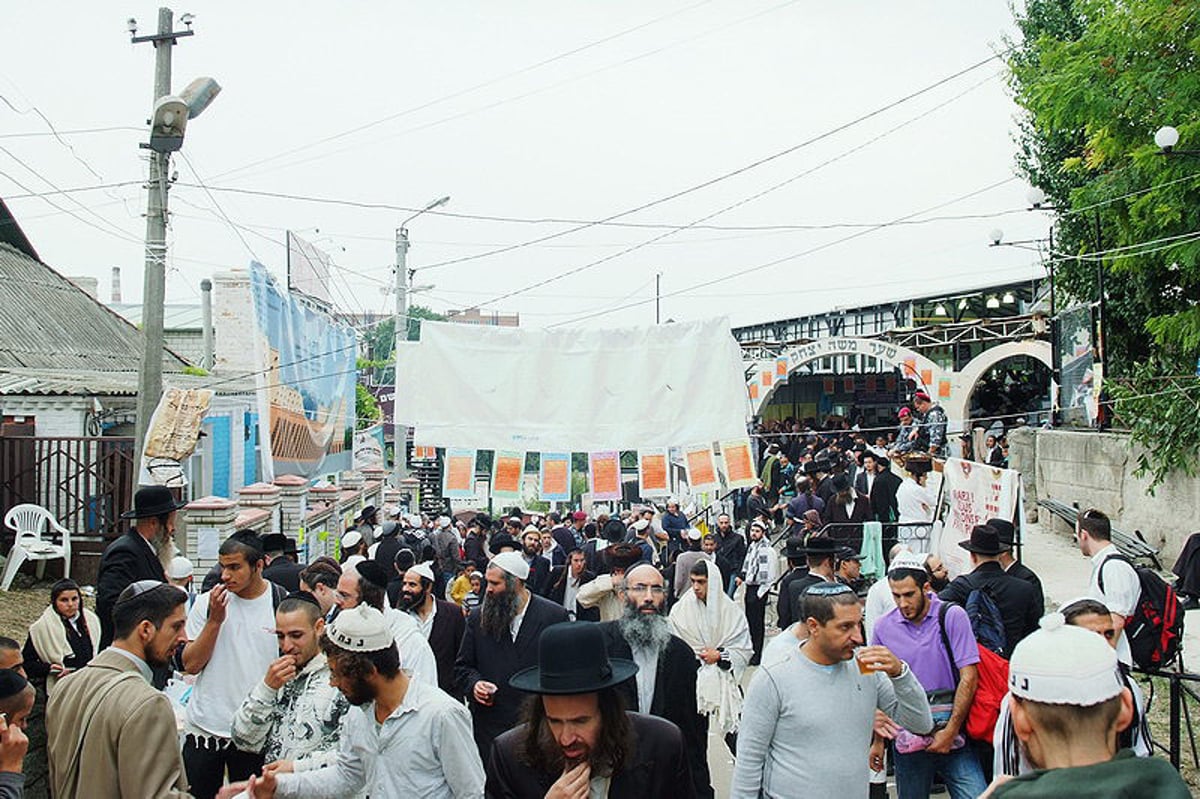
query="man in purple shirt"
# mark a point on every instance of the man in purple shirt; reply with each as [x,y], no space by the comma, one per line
[919,631]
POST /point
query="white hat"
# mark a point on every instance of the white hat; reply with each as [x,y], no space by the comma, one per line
[424,570]
[641,524]
[393,512]
[692,533]
[443,521]
[531,528]
[907,560]
[360,629]
[351,539]
[414,520]
[180,568]
[513,563]
[1064,665]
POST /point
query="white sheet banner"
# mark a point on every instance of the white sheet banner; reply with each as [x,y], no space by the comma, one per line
[573,390]
[975,492]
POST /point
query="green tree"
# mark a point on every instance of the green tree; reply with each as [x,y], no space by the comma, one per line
[1097,78]
[366,409]
[381,340]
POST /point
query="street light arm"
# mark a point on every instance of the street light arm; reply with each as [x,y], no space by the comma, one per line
[438,203]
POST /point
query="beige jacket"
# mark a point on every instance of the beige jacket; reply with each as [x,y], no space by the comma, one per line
[130,748]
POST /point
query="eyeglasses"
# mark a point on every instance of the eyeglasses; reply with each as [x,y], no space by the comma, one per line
[640,588]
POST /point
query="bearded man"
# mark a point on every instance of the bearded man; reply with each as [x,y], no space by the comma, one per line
[143,553]
[441,622]
[501,639]
[665,685]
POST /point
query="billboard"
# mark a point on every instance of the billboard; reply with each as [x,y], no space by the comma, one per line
[308,269]
[305,377]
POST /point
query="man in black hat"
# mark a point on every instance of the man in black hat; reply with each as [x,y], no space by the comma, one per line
[847,507]
[577,738]
[820,552]
[473,543]
[1007,532]
[1015,598]
[140,554]
[366,523]
[280,569]
[797,569]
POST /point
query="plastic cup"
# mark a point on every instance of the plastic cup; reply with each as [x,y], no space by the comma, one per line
[863,668]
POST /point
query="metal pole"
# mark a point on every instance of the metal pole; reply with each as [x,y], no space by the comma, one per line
[154,283]
[206,322]
[400,432]
[658,298]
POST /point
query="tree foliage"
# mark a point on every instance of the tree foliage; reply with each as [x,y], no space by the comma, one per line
[366,409]
[1097,78]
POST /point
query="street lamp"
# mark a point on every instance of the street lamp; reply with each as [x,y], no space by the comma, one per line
[1166,138]
[403,275]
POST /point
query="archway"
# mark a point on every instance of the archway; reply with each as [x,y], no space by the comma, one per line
[975,370]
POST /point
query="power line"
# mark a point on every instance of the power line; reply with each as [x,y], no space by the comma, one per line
[73,132]
[218,207]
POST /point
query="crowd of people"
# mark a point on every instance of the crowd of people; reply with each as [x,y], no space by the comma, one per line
[587,655]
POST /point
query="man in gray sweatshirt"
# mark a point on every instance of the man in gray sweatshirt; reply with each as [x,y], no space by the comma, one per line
[807,721]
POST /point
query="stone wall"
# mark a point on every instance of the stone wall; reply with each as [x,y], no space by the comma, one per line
[1097,470]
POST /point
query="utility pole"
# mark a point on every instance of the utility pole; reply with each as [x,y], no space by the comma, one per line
[154,284]
[657,298]
[399,431]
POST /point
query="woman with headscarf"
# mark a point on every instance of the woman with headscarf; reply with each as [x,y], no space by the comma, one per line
[715,628]
[63,639]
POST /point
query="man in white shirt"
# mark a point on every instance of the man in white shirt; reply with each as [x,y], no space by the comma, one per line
[401,738]
[231,644]
[1114,584]
[365,585]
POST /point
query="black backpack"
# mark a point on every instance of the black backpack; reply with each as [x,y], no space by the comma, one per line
[1155,628]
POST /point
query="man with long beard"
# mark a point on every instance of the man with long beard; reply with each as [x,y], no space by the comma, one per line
[665,685]
[141,554]
[400,738]
[500,640]
[441,622]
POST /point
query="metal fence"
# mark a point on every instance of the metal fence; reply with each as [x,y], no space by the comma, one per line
[85,482]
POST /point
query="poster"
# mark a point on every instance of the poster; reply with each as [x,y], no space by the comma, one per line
[507,469]
[172,435]
[458,474]
[604,475]
[781,367]
[701,467]
[739,463]
[304,382]
[652,473]
[975,492]
[554,477]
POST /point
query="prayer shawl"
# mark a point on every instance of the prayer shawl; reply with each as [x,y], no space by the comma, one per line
[716,624]
[49,638]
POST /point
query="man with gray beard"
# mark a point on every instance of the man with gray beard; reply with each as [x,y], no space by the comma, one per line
[501,639]
[665,684]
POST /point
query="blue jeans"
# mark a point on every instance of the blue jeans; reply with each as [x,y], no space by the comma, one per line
[959,769]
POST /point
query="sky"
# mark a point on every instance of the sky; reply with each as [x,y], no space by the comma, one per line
[767,158]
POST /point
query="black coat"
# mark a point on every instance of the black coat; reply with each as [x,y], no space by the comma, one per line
[473,551]
[835,513]
[125,561]
[557,591]
[656,768]
[385,553]
[445,638]
[1018,569]
[674,698]
[483,657]
[284,573]
[882,495]
[539,575]
[783,606]
[1016,599]
[796,589]
[731,553]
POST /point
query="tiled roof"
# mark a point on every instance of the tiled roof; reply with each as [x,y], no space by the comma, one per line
[47,322]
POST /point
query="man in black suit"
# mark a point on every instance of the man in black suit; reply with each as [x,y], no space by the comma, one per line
[280,569]
[137,555]
[565,582]
[539,564]
[797,570]
[665,685]
[1014,567]
[500,640]
[876,481]
[441,622]
[821,552]
[846,507]
[577,727]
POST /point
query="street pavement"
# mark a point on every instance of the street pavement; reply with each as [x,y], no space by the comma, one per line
[1064,572]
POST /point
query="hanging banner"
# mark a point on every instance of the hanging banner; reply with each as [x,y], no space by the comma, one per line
[507,470]
[781,367]
[172,435]
[554,477]
[975,492]
[604,475]
[652,473]
[701,467]
[754,391]
[458,474]
[739,463]
[827,385]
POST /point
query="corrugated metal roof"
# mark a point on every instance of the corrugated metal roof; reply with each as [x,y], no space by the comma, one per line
[175,316]
[48,322]
[92,382]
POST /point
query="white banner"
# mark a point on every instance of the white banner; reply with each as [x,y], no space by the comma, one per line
[572,390]
[974,492]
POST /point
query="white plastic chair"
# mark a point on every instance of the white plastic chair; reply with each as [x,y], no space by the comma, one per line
[29,522]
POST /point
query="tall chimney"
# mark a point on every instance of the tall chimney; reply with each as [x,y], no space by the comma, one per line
[116,284]
[207,323]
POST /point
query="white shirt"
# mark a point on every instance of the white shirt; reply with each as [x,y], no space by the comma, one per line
[245,648]
[1121,592]
[570,591]
[424,748]
[879,602]
[415,655]
[425,624]
[914,502]
[782,646]
[514,626]
[647,675]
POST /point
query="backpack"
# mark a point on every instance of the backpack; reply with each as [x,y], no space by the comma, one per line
[990,690]
[1155,628]
[986,621]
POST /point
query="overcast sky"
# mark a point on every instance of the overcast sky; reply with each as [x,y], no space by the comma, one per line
[562,110]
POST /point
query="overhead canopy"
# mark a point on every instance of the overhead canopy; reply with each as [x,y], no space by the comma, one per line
[572,390]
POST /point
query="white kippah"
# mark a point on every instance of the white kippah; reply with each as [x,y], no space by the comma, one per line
[907,560]
[351,539]
[1059,664]
[513,563]
[424,570]
[180,568]
[360,629]
[641,524]
[531,528]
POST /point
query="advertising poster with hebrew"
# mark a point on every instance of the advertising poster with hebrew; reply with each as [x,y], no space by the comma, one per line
[701,467]
[554,477]
[604,475]
[652,473]
[507,470]
[458,475]
[739,463]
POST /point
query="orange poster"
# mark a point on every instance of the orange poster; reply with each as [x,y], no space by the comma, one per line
[604,475]
[781,367]
[739,463]
[754,391]
[554,484]
[507,469]
[701,468]
[458,477]
[943,388]
[652,473]
[768,378]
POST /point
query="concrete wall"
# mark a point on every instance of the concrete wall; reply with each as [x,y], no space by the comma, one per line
[1096,470]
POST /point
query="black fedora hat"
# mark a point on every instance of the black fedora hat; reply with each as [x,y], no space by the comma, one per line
[794,547]
[1004,529]
[984,541]
[822,545]
[572,660]
[152,501]
[840,483]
